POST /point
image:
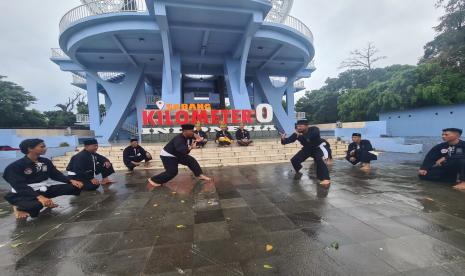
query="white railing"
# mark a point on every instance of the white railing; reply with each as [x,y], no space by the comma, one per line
[101,7]
[311,65]
[77,79]
[131,128]
[59,53]
[109,75]
[300,115]
[82,118]
[299,85]
[292,22]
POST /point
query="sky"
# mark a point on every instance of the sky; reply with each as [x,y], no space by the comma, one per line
[398,28]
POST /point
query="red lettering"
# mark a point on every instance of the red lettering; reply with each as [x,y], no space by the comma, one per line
[147,117]
[200,116]
[235,117]
[247,116]
[215,119]
[185,117]
[225,116]
[168,118]
[159,117]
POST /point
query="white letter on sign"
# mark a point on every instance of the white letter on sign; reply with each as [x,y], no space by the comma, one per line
[264,113]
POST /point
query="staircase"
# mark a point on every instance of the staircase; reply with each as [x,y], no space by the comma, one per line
[261,152]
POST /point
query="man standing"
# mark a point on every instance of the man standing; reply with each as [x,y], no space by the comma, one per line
[87,164]
[35,180]
[223,137]
[177,152]
[243,136]
[359,151]
[446,161]
[309,138]
[203,136]
[134,154]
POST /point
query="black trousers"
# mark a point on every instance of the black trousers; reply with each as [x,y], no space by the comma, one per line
[202,144]
[244,143]
[322,172]
[362,157]
[171,168]
[32,206]
[88,186]
[138,159]
[448,172]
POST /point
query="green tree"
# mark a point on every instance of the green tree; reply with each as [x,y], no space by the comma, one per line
[60,118]
[13,103]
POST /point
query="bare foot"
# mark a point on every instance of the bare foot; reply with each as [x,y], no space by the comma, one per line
[204,178]
[147,164]
[365,167]
[460,186]
[153,183]
[20,214]
[325,183]
[107,181]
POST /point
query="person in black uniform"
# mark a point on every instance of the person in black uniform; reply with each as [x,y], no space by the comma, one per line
[35,180]
[223,137]
[243,136]
[203,136]
[446,161]
[177,152]
[313,147]
[87,164]
[134,154]
[359,152]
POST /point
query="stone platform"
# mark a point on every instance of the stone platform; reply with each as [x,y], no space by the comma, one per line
[253,220]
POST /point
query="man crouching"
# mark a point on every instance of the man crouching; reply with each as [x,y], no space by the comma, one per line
[35,180]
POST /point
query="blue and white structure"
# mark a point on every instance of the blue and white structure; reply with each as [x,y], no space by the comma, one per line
[129,53]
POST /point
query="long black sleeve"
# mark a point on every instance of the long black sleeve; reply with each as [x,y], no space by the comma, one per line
[289,140]
[238,135]
[351,147]
[430,159]
[55,174]
[14,175]
[77,166]
[126,154]
[368,146]
[181,147]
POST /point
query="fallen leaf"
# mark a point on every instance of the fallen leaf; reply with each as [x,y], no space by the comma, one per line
[269,247]
[429,199]
[155,205]
[267,266]
[180,226]
[14,245]
[335,245]
[173,193]
[183,201]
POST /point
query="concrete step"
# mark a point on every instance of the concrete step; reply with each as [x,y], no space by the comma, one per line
[262,152]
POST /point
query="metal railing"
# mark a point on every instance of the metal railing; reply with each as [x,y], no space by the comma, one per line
[292,22]
[84,119]
[101,7]
[131,128]
[78,79]
[107,76]
[59,53]
[300,115]
[299,85]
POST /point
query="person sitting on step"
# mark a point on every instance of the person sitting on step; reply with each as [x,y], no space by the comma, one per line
[202,134]
[223,137]
[243,136]
[360,151]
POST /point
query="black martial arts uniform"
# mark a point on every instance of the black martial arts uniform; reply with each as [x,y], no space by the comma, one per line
[204,135]
[242,134]
[27,179]
[134,154]
[225,134]
[361,152]
[313,146]
[453,166]
[84,166]
[327,146]
[174,153]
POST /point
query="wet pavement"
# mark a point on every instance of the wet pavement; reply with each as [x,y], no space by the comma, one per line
[253,220]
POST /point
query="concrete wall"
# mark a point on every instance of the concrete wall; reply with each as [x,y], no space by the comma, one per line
[428,121]
[9,157]
[13,137]
[367,129]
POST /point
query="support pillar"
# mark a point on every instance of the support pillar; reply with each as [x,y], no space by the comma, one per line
[93,103]
[237,90]
[171,85]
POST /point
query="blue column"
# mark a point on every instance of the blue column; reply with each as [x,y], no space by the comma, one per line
[93,103]
[237,90]
[141,104]
[171,85]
